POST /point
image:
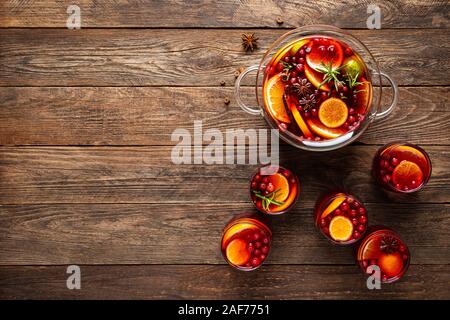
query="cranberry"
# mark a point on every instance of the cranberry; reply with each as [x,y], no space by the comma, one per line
[286,174]
[323,222]
[262,257]
[390,168]
[293,80]
[337,211]
[362,211]
[351,111]
[386,157]
[413,184]
[394,161]
[402,248]
[248,265]
[384,278]
[314,112]
[265,180]
[351,119]
[353,213]
[257,252]
[405,257]
[301,60]
[300,68]
[350,200]
[322,49]
[355,221]
[306,114]
[325,231]
[270,188]
[405,188]
[397,186]
[301,52]
[356,235]
[265,240]
[346,125]
[258,244]
[265,249]
[300,108]
[373,262]
[345,89]
[363,219]
[344,206]
[294,74]
[256,236]
[254,185]
[250,248]
[257,178]
[324,95]
[262,186]
[331,49]
[384,164]
[348,51]
[308,49]
[361,228]
[356,204]
[259,204]
[255,262]
[287,59]
[293,59]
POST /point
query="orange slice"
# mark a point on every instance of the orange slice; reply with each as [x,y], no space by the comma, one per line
[406,172]
[333,206]
[333,112]
[364,94]
[299,120]
[410,154]
[341,228]
[315,78]
[318,128]
[280,182]
[236,229]
[237,252]
[371,249]
[294,45]
[273,98]
[391,264]
[315,58]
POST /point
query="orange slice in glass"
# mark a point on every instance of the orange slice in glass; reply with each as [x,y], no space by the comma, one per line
[406,172]
[280,183]
[273,98]
[333,113]
[236,229]
[410,154]
[341,228]
[333,206]
[371,249]
[391,264]
[237,252]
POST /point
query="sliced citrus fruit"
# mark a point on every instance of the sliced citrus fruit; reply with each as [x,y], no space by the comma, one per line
[372,249]
[406,172]
[318,128]
[273,97]
[410,154]
[237,252]
[315,78]
[341,228]
[236,229]
[280,183]
[391,264]
[333,206]
[299,120]
[325,51]
[333,112]
[288,201]
[353,66]
[363,94]
[293,46]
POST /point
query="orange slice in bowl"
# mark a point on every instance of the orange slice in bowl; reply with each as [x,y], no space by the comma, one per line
[237,252]
[318,128]
[364,94]
[316,57]
[341,228]
[333,113]
[299,120]
[315,78]
[333,206]
[406,172]
[273,98]
[391,264]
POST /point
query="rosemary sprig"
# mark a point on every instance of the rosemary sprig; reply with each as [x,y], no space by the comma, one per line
[353,82]
[268,199]
[330,74]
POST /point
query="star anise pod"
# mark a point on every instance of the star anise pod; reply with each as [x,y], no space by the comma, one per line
[389,244]
[308,102]
[249,41]
[302,88]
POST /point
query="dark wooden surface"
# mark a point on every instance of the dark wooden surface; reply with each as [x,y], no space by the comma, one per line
[85,172]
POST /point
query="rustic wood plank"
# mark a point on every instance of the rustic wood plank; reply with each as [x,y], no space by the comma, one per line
[193,57]
[190,234]
[225,13]
[148,116]
[219,282]
[32,175]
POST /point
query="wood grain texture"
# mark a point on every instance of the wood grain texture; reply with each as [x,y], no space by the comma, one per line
[225,13]
[201,57]
[190,234]
[39,175]
[219,282]
[148,116]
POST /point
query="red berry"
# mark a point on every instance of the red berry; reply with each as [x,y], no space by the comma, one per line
[248,265]
[323,222]
[326,231]
[348,51]
[355,221]
[402,248]
[254,185]
[294,74]
[255,262]
[250,248]
[257,252]
[394,161]
[314,112]
[280,67]
[258,244]
[258,204]
[384,164]
[346,125]
[387,178]
[265,249]
[356,235]
[301,52]
[331,49]
[256,236]
[301,60]
[361,228]
[262,257]
[353,213]
[257,178]
[356,204]
[350,200]
[265,240]
[384,278]
[287,58]
[351,111]
[362,211]
[373,262]
[390,168]
[270,188]
[405,257]
[363,219]
[413,184]
[265,180]
[262,186]
[351,119]
[344,206]
[293,80]
[306,114]
[300,68]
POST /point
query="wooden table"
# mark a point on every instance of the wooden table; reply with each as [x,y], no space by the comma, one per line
[86,118]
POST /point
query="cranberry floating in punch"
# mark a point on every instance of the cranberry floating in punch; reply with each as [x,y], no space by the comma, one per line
[316,85]
[384,248]
[341,218]
[246,242]
[274,190]
[402,167]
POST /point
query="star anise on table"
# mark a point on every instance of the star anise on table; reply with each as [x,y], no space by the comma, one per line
[249,41]
[389,244]
[308,102]
[302,88]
